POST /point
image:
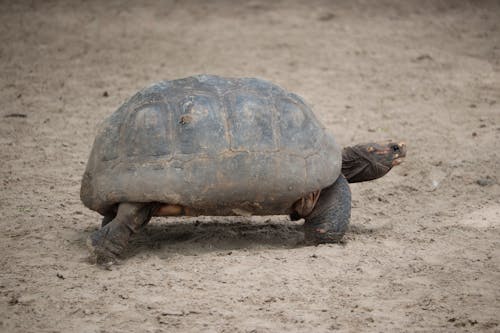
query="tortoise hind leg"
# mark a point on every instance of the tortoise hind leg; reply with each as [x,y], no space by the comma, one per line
[329,219]
[107,243]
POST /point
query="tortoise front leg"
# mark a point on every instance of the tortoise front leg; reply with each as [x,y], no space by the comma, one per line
[107,243]
[329,219]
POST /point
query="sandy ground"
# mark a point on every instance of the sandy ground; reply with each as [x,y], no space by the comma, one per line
[423,250]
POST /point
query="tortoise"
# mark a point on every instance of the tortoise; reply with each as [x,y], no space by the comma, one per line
[209,145]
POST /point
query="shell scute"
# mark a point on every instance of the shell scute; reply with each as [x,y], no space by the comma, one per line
[148,132]
[251,123]
[199,126]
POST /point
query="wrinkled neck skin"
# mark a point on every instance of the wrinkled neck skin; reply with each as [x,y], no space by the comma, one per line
[359,166]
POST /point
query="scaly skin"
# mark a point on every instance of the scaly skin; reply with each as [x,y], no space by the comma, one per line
[329,220]
[109,242]
[371,160]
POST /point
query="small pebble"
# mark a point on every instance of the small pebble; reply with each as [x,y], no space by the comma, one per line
[16,115]
[423,57]
[485,181]
[327,17]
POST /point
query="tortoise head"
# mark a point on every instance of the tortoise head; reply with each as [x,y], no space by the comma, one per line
[371,160]
[388,153]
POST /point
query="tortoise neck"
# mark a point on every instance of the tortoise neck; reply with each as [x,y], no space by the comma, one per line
[359,166]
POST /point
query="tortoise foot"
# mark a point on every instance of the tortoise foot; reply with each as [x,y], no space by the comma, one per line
[108,243]
[329,220]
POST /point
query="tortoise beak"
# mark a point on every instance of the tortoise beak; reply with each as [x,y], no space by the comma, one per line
[402,149]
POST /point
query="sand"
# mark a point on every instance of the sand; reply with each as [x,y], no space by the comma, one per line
[423,250]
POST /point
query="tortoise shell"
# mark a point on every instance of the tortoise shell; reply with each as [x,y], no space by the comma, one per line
[217,145]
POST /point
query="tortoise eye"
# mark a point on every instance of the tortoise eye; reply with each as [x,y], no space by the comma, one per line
[395,148]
